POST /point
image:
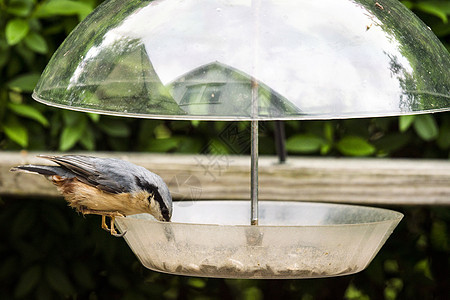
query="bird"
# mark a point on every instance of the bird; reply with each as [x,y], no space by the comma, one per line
[109,187]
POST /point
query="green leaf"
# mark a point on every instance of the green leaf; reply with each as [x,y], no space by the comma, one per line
[71,118]
[114,127]
[328,130]
[426,127]
[19,8]
[215,147]
[27,282]
[404,122]
[252,293]
[353,293]
[443,139]
[162,132]
[63,8]
[355,146]
[16,131]
[71,135]
[24,83]
[423,267]
[393,141]
[304,143]
[439,236]
[88,139]
[36,42]
[94,117]
[436,8]
[16,30]
[391,266]
[189,144]
[408,4]
[15,97]
[163,145]
[325,149]
[59,281]
[198,283]
[28,112]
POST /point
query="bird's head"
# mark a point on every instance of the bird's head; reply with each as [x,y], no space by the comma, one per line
[157,196]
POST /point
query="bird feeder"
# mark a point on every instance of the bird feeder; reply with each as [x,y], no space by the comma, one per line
[252,60]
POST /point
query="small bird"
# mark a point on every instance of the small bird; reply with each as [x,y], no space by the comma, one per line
[106,186]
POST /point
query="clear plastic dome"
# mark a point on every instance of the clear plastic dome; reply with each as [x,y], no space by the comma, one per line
[249,60]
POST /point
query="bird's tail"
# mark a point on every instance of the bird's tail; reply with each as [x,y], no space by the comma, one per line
[42,170]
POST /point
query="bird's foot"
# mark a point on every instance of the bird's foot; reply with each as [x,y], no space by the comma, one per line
[104,226]
[112,229]
[111,214]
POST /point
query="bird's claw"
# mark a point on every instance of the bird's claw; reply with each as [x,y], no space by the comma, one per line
[111,229]
[118,234]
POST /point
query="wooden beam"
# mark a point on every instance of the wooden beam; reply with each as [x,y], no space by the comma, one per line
[197,177]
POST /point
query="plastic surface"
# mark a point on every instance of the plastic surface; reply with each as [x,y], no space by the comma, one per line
[249,59]
[293,240]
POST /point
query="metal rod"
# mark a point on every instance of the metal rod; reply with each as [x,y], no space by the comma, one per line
[254,172]
[256,5]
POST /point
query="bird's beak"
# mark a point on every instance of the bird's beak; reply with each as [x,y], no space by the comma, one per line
[165,215]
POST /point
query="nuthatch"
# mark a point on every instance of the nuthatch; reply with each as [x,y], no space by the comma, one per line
[107,187]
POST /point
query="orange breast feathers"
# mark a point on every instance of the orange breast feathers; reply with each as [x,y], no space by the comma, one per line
[88,199]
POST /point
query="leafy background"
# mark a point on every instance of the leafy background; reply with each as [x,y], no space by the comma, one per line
[48,251]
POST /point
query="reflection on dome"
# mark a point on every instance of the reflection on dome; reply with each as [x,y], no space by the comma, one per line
[216,89]
[198,59]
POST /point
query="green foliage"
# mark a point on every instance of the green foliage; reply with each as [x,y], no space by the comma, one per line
[426,127]
[16,30]
[63,8]
[305,143]
[31,30]
[28,112]
[439,8]
[355,146]
[24,83]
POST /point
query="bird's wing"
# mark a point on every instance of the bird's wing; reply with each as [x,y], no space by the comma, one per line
[45,170]
[91,171]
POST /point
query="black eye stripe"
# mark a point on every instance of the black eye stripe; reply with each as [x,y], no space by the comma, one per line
[146,186]
[151,189]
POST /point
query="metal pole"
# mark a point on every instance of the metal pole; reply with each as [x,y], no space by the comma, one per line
[254,172]
[254,154]
[256,5]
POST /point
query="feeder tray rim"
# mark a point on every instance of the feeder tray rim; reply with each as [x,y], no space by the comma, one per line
[395,216]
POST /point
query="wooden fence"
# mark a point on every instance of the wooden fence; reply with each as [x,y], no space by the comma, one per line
[196,177]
